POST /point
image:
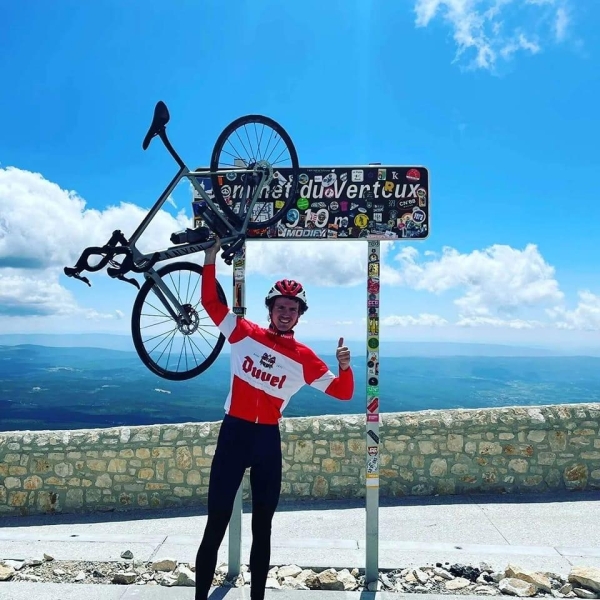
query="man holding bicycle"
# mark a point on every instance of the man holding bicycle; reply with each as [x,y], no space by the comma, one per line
[268,367]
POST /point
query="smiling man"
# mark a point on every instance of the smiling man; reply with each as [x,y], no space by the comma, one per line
[268,366]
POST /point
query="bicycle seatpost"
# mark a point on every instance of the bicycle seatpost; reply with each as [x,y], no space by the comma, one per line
[162,134]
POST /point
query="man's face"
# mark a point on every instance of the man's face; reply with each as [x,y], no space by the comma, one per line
[284,314]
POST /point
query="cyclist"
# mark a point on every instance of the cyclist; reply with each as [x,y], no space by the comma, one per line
[268,366]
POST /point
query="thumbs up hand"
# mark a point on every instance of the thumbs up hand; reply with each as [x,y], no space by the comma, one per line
[343,355]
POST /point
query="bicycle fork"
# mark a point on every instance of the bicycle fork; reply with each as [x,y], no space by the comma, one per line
[168,299]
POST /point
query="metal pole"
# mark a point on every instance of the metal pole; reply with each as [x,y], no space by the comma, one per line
[372,421]
[234,562]
[235,523]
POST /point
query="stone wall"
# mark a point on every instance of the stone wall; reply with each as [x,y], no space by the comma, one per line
[513,449]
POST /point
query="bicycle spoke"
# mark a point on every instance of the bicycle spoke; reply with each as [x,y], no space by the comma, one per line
[276,161]
[194,293]
[154,324]
[176,291]
[188,341]
[260,140]
[270,138]
[180,353]
[215,335]
[234,148]
[249,142]
[159,335]
[176,348]
[192,343]
[261,133]
[253,158]
[234,156]
[258,147]
[202,334]
[171,345]
[159,310]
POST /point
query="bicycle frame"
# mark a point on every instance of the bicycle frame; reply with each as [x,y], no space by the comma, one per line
[229,233]
[185,249]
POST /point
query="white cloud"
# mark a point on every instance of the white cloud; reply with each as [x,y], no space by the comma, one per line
[38,294]
[494,322]
[561,23]
[585,317]
[424,319]
[520,43]
[327,263]
[496,287]
[33,293]
[499,279]
[44,228]
[482,27]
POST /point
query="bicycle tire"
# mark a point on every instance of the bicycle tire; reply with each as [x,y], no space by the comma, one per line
[136,328]
[278,213]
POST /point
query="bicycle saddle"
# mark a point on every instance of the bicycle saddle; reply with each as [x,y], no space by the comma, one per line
[160,119]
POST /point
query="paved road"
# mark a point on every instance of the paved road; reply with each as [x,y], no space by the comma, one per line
[543,532]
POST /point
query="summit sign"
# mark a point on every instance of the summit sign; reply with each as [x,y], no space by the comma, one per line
[371,201]
[314,185]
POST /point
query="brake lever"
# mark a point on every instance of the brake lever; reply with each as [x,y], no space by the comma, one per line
[129,280]
[70,272]
[83,278]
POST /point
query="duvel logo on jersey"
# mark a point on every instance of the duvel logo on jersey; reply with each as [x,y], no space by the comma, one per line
[249,367]
[267,360]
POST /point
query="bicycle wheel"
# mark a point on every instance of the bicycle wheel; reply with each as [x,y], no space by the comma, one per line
[259,143]
[173,349]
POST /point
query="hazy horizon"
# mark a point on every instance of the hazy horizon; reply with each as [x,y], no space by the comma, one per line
[394,348]
[79,388]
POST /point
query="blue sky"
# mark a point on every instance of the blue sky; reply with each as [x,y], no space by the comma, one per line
[498,99]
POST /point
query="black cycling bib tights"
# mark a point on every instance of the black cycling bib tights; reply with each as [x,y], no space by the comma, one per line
[241,445]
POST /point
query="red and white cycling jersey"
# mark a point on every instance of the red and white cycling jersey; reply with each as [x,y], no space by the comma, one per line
[267,368]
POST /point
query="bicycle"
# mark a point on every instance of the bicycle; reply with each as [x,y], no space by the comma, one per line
[229,217]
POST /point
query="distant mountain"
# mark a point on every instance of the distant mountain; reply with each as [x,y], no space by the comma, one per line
[392,349]
[70,340]
[436,349]
[44,387]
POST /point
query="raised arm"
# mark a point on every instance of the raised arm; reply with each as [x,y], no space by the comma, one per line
[209,297]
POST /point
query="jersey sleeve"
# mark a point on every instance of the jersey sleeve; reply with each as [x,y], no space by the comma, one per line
[318,375]
[232,327]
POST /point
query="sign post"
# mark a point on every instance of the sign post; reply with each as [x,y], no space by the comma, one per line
[358,202]
[372,420]
[234,563]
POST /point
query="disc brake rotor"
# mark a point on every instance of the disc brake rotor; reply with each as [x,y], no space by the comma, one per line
[192,326]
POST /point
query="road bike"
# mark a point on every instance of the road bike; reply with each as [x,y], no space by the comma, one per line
[172,334]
